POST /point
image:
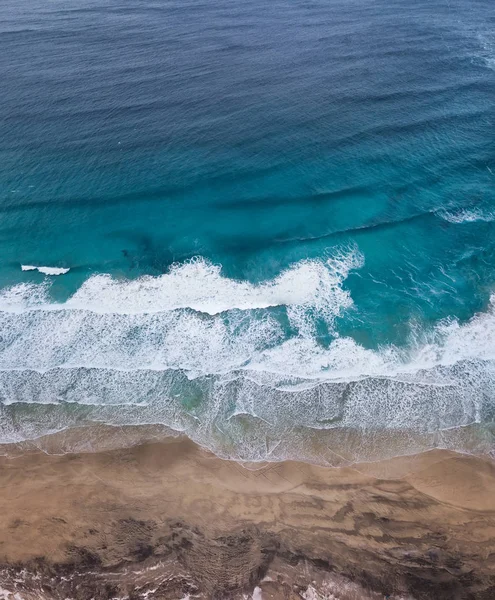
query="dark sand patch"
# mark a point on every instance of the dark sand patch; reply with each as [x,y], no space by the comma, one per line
[167,520]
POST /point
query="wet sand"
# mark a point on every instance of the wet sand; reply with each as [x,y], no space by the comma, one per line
[167,520]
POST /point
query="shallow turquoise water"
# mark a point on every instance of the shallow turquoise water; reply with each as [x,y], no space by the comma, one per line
[308,190]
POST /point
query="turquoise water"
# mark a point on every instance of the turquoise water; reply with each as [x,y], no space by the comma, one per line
[278,222]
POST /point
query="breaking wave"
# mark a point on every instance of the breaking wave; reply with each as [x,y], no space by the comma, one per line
[45,270]
[240,367]
[466,215]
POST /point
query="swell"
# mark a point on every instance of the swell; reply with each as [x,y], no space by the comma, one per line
[390,130]
[137,107]
[375,224]
[157,193]
[271,201]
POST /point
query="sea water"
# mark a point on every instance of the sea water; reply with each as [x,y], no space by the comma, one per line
[267,225]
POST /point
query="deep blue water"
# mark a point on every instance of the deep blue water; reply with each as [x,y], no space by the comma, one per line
[279,220]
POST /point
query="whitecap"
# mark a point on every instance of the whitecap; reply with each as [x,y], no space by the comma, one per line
[466,215]
[46,270]
[199,285]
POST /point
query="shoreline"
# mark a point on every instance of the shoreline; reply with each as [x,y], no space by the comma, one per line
[167,519]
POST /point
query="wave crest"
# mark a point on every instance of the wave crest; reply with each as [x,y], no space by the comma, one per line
[200,286]
[45,270]
[466,215]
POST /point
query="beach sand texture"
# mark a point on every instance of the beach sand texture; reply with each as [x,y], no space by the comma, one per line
[168,520]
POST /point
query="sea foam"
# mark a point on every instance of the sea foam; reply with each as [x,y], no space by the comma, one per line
[200,286]
[209,356]
[466,215]
[45,270]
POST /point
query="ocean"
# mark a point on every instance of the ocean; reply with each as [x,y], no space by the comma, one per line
[269,226]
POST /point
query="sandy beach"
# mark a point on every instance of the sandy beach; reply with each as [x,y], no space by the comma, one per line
[247,300]
[169,520]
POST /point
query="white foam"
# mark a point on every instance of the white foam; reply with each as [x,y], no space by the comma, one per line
[466,215]
[46,270]
[200,286]
[40,336]
[161,323]
[257,593]
[5,594]
[198,358]
[449,343]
